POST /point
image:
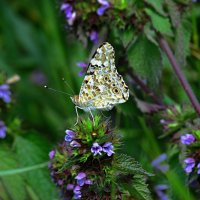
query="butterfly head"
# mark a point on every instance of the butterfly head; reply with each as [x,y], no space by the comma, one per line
[75,99]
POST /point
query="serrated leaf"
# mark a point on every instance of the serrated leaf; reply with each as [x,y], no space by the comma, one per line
[29,154]
[161,24]
[182,41]
[14,185]
[157,5]
[128,165]
[145,58]
[139,184]
[174,12]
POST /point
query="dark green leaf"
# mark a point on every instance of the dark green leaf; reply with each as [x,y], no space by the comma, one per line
[157,5]
[174,12]
[161,24]
[29,154]
[13,184]
[145,58]
[128,165]
[182,41]
[140,186]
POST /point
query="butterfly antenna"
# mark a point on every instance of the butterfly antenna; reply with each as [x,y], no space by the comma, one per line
[68,85]
[54,90]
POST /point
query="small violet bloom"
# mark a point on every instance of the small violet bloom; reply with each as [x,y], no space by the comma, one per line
[156,163]
[94,36]
[70,135]
[198,168]
[88,182]
[83,65]
[108,148]
[104,5]
[81,178]
[160,191]
[96,149]
[69,14]
[190,163]
[77,192]
[74,143]
[3,129]
[52,154]
[5,93]
[187,139]
[60,182]
[70,186]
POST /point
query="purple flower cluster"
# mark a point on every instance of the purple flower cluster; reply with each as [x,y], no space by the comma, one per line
[187,139]
[104,6]
[82,180]
[190,164]
[70,15]
[107,148]
[5,93]
[156,163]
[83,65]
[3,129]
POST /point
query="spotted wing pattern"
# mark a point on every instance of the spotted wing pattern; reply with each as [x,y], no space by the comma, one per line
[103,87]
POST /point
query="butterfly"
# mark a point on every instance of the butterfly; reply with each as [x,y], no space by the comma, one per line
[103,87]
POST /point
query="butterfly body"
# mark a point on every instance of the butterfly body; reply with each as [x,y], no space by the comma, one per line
[103,87]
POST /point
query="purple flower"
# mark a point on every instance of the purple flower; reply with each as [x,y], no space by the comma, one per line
[159,189]
[52,154]
[190,163]
[96,149]
[74,143]
[69,14]
[38,77]
[88,182]
[70,186]
[104,5]
[187,139]
[60,182]
[156,163]
[198,168]
[108,148]
[3,129]
[83,65]
[5,93]
[70,135]
[81,178]
[94,36]
[77,192]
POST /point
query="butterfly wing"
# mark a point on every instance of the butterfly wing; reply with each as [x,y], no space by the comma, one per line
[102,86]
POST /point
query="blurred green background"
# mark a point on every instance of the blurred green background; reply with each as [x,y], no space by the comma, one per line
[34,44]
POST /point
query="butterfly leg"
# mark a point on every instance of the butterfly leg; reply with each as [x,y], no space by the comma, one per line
[77,116]
[91,115]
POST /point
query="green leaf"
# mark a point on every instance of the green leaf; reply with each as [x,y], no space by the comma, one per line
[128,165]
[182,41]
[145,58]
[30,153]
[14,185]
[174,12]
[140,186]
[161,24]
[157,5]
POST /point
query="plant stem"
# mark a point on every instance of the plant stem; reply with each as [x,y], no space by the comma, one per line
[145,88]
[193,99]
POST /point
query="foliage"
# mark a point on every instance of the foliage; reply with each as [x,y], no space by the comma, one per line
[40,43]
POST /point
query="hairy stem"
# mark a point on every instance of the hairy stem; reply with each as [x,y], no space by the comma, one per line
[193,99]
